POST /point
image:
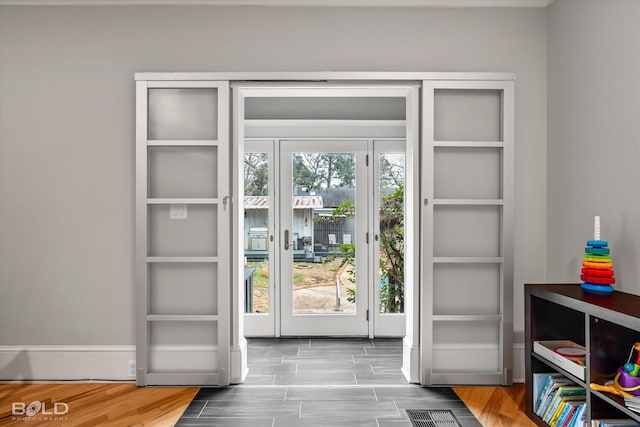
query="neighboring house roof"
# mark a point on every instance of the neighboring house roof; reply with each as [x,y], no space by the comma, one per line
[333,197]
[299,202]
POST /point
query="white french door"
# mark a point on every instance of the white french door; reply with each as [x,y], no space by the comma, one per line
[324,238]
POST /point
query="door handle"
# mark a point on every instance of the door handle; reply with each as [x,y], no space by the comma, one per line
[225,200]
[286,240]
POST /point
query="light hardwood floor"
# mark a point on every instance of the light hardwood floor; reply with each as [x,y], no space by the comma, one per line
[496,406]
[125,404]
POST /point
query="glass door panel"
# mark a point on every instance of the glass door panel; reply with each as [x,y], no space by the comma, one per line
[324,205]
[323,226]
[391,223]
[259,222]
[389,250]
[256,224]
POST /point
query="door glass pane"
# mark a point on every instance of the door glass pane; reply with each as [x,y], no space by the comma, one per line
[323,233]
[183,172]
[467,115]
[183,113]
[256,232]
[391,238]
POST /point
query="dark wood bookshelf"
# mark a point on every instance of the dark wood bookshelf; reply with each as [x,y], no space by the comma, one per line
[606,325]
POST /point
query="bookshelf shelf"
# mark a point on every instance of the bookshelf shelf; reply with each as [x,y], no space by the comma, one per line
[558,369]
[617,402]
[607,326]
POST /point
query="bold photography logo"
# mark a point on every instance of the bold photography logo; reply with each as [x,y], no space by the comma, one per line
[40,410]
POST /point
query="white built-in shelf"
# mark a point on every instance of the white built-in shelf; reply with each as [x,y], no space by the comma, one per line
[182,259]
[320,122]
[182,378]
[467,260]
[469,202]
[182,317]
[469,144]
[182,201]
[182,143]
[467,317]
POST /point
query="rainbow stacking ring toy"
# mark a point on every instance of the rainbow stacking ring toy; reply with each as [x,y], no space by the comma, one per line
[597,268]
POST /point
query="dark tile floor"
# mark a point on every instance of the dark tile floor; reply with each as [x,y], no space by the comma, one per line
[321,382]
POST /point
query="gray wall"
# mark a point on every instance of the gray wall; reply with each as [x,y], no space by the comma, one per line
[67,130]
[594,135]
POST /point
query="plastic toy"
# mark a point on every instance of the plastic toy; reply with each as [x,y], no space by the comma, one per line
[627,379]
[632,367]
[597,268]
[627,382]
[610,387]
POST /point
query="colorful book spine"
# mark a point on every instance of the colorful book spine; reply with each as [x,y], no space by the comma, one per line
[541,382]
[566,407]
[573,406]
[544,393]
[578,416]
[550,394]
[564,394]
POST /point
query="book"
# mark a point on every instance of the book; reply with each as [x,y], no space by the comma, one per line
[562,407]
[566,419]
[554,382]
[615,423]
[540,383]
[563,391]
[568,402]
[578,416]
[632,403]
[567,407]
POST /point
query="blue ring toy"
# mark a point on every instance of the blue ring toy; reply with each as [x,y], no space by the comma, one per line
[593,287]
[597,243]
[597,251]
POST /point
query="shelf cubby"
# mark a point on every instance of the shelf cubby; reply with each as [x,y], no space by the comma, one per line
[606,325]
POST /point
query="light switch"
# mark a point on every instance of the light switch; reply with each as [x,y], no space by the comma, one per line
[178,212]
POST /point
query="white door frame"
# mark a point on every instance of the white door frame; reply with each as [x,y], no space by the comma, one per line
[411,353]
[267,324]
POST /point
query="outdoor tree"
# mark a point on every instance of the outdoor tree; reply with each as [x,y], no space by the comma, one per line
[316,171]
[391,250]
[391,172]
[347,253]
[256,174]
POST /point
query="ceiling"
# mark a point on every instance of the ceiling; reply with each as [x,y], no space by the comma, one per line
[297,3]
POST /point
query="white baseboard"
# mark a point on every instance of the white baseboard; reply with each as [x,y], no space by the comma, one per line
[448,357]
[238,357]
[76,362]
[410,361]
[66,362]
[518,363]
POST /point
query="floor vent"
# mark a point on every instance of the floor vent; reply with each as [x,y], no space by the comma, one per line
[432,418]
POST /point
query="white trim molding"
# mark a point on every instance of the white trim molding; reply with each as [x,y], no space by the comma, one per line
[518,362]
[288,3]
[239,370]
[410,361]
[483,354]
[66,362]
[101,362]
